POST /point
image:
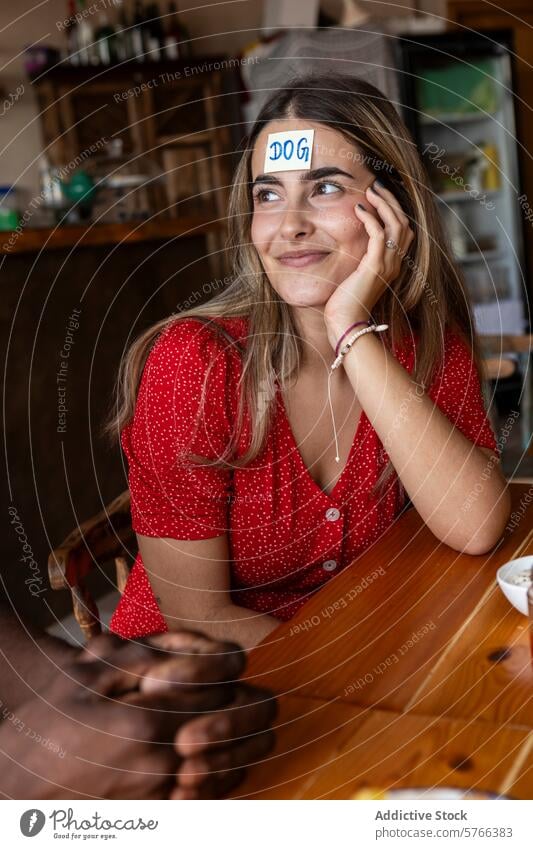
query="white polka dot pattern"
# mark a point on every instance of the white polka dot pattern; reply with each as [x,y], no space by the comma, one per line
[284,531]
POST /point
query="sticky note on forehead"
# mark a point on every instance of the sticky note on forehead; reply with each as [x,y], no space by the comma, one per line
[290,150]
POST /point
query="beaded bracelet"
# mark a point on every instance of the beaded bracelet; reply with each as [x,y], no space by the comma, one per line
[374,328]
[351,327]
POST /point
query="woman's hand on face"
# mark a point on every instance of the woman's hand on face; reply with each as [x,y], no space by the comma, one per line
[357,295]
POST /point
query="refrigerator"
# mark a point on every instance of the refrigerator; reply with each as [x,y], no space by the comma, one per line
[456,96]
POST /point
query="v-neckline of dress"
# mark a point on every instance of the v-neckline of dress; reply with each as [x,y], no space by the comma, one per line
[329,495]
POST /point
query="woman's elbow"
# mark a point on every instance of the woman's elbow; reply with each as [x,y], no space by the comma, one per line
[492,526]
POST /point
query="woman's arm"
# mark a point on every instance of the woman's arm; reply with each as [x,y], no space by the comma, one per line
[438,466]
[191,582]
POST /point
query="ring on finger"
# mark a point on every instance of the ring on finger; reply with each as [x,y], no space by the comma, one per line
[390,243]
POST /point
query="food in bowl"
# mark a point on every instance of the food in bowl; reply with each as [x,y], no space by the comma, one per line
[521,579]
[514,580]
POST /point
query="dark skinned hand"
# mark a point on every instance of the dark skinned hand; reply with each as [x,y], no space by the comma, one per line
[161,717]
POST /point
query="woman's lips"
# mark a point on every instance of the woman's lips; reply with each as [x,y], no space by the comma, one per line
[297,260]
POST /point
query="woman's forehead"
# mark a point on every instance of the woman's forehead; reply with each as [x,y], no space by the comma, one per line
[330,147]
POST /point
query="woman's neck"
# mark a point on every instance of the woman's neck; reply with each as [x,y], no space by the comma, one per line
[317,350]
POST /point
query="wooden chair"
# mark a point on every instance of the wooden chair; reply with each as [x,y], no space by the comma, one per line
[520,346]
[105,537]
[498,367]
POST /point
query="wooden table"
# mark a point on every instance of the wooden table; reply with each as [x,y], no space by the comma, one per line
[408,669]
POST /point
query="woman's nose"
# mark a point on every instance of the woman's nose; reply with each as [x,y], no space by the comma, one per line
[296,222]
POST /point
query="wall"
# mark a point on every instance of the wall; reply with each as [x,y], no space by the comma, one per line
[227,27]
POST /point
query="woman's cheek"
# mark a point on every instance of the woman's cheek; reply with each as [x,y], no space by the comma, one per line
[262,230]
[255,230]
[342,222]
[353,237]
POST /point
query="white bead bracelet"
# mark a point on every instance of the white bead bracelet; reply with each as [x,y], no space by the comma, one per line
[373,328]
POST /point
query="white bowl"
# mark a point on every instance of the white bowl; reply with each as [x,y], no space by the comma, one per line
[514,593]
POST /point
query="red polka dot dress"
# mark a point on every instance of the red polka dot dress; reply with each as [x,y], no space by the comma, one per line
[287,537]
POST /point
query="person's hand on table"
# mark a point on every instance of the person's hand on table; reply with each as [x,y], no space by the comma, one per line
[161,717]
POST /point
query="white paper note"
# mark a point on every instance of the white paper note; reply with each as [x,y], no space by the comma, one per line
[290,150]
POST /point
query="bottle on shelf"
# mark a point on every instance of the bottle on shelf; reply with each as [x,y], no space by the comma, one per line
[72,34]
[142,37]
[138,33]
[123,33]
[492,174]
[86,46]
[155,35]
[105,41]
[177,38]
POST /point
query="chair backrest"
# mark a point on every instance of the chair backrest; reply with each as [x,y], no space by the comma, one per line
[517,348]
[506,343]
[498,367]
[100,539]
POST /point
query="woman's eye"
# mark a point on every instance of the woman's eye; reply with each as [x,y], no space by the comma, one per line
[263,195]
[332,187]
[267,195]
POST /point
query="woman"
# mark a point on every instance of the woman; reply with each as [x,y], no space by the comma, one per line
[256,471]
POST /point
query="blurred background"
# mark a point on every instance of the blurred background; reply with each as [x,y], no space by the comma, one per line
[120,123]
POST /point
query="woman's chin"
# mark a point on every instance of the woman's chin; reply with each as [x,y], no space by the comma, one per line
[306,293]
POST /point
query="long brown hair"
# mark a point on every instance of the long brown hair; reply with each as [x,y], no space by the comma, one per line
[428,297]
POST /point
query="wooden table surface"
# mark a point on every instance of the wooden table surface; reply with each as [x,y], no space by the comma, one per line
[408,669]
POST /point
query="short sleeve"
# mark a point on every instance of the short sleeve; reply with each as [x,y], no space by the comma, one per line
[456,389]
[170,497]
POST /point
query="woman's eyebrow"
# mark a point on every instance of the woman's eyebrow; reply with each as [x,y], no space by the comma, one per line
[317,174]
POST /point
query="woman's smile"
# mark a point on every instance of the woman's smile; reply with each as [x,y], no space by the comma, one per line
[301,258]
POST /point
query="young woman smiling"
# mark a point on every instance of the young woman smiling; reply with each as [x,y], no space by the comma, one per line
[256,472]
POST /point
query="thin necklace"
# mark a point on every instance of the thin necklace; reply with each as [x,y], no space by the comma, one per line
[337,458]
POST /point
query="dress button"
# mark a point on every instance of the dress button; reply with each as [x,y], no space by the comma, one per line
[329,565]
[332,514]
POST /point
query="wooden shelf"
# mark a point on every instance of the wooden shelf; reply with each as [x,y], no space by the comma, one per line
[189,68]
[178,116]
[480,256]
[35,239]
[463,195]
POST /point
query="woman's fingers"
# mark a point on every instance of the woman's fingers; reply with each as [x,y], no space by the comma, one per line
[380,198]
[385,262]
[393,225]
[373,259]
[252,710]
[405,234]
[394,203]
